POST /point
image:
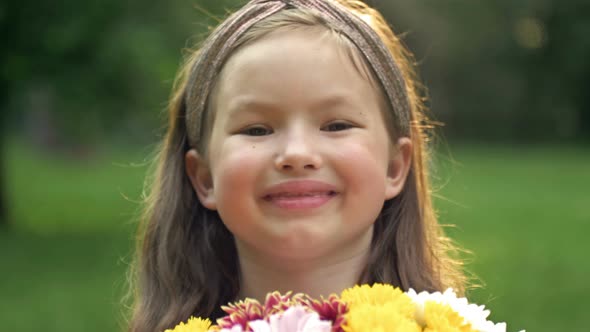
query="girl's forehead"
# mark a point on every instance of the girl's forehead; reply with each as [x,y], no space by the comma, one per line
[287,48]
[303,56]
[273,47]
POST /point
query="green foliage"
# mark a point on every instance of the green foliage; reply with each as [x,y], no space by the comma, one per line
[96,67]
[503,70]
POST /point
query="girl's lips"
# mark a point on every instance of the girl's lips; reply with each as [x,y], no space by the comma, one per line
[301,194]
[301,202]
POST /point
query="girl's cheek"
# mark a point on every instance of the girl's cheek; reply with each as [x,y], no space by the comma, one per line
[370,160]
[236,164]
[363,151]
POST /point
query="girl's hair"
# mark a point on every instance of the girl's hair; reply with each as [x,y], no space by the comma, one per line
[186,261]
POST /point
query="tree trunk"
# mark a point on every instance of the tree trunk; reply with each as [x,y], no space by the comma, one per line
[3,136]
[3,213]
[3,205]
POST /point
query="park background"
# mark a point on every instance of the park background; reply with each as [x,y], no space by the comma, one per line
[84,86]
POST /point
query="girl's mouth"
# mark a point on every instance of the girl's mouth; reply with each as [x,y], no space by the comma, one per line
[300,194]
[300,200]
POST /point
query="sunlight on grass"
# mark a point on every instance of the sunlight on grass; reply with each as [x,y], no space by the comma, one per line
[523,212]
[49,193]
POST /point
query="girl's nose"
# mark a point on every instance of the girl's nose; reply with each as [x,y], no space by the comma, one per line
[297,153]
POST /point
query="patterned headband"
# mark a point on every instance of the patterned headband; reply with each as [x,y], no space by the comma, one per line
[219,45]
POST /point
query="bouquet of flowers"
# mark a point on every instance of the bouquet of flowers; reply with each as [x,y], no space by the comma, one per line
[377,308]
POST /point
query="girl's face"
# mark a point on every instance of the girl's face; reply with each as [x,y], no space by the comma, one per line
[300,161]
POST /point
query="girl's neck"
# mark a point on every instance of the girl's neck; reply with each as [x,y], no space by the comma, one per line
[317,277]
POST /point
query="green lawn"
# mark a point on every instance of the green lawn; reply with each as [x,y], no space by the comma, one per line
[65,257]
[525,215]
[522,212]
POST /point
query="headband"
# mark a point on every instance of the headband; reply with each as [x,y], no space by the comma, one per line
[219,45]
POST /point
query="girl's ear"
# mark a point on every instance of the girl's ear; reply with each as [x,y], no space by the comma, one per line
[200,175]
[399,166]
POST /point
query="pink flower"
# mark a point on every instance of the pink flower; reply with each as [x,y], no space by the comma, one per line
[243,313]
[332,309]
[235,328]
[239,314]
[294,319]
[276,303]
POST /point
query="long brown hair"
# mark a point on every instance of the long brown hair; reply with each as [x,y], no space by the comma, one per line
[186,260]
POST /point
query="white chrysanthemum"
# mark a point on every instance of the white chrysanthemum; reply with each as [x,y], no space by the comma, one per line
[294,319]
[472,313]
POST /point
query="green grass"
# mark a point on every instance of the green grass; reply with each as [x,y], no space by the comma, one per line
[93,191]
[65,255]
[62,282]
[523,212]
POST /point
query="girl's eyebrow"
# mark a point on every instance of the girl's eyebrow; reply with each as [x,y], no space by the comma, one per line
[250,105]
[253,105]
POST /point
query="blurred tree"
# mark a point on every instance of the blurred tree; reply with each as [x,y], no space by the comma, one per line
[89,70]
[82,71]
[3,122]
[3,205]
[502,70]
[558,70]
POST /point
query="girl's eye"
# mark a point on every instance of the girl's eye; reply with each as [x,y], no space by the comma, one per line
[337,126]
[257,131]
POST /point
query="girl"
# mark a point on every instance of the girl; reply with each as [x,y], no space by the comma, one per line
[295,159]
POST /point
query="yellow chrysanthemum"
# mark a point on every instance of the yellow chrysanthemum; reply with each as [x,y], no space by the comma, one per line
[193,325]
[379,295]
[378,308]
[385,317]
[442,318]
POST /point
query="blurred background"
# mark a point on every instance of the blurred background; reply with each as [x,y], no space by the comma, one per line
[84,86]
